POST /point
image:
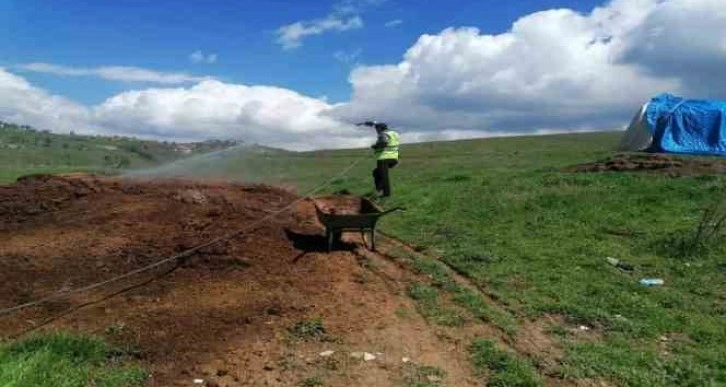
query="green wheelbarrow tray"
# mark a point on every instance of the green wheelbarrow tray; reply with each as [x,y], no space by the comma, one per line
[363,220]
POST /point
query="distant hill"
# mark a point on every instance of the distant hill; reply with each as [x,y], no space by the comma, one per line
[25,150]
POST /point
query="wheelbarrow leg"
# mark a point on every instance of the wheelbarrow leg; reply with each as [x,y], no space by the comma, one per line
[329,236]
[373,239]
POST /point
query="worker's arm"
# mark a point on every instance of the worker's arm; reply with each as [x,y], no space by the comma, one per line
[382,141]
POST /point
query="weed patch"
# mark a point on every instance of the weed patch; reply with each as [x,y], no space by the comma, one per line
[65,360]
[312,329]
[430,306]
[503,369]
[416,375]
[313,381]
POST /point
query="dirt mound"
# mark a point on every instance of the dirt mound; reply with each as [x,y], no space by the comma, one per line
[224,314]
[660,163]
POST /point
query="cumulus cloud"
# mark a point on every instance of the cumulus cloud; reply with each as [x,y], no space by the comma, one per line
[394,23]
[199,57]
[114,73]
[210,109]
[269,115]
[553,69]
[24,103]
[684,39]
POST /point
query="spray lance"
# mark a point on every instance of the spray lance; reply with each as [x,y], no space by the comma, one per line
[374,124]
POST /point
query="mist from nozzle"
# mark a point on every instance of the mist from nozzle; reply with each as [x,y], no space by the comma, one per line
[240,163]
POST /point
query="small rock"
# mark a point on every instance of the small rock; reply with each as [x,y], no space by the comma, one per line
[405,360]
[198,381]
[356,355]
[326,353]
[368,356]
[663,338]
[584,328]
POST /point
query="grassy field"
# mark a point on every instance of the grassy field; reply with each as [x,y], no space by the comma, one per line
[502,213]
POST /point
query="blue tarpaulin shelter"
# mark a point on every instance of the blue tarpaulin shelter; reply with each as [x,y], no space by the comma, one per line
[671,124]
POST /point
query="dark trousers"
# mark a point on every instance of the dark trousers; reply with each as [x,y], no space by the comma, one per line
[380,176]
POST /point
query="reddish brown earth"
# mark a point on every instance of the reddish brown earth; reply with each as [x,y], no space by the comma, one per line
[661,163]
[223,314]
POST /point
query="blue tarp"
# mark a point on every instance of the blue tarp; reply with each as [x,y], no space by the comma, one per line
[687,125]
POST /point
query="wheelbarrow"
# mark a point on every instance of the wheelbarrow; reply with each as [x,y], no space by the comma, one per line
[340,214]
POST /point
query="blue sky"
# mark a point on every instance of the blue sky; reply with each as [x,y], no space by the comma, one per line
[296,74]
[161,34]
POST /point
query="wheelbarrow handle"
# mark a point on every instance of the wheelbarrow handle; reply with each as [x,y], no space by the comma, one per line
[393,210]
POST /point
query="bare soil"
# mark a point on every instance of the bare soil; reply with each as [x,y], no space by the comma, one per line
[223,314]
[673,165]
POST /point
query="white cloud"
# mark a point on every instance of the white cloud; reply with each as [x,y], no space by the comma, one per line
[684,39]
[555,69]
[199,57]
[290,36]
[345,7]
[270,115]
[394,23]
[23,103]
[344,16]
[114,73]
[209,109]
[348,57]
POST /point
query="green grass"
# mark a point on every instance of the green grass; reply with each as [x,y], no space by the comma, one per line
[431,307]
[463,296]
[502,368]
[65,360]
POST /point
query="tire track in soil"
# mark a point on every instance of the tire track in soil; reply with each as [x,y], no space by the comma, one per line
[532,340]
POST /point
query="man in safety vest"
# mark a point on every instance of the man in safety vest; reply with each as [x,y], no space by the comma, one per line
[386,152]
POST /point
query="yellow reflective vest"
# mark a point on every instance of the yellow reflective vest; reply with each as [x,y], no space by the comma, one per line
[390,151]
